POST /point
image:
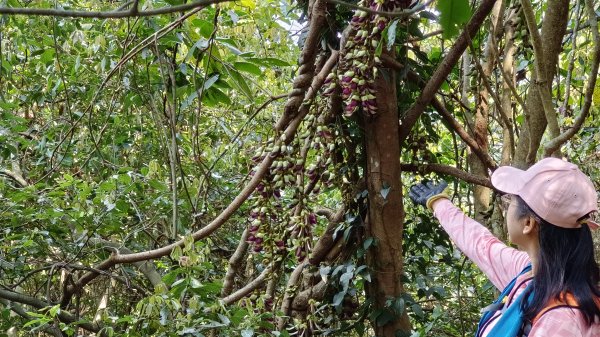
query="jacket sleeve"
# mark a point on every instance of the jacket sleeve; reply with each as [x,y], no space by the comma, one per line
[498,261]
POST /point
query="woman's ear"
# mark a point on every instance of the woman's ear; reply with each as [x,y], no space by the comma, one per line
[531,226]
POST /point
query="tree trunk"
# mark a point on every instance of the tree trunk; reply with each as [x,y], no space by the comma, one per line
[482,194]
[386,212]
[553,29]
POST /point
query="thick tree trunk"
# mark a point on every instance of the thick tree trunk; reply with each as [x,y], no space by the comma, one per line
[553,30]
[386,212]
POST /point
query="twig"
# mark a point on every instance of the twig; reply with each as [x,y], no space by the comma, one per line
[425,36]
[118,14]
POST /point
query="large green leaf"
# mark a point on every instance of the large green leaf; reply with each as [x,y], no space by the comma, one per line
[453,14]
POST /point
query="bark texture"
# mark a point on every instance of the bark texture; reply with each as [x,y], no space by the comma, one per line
[386,212]
[553,29]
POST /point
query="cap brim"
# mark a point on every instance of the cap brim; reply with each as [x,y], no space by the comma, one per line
[508,179]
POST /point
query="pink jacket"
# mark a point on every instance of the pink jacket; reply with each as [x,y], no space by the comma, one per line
[501,264]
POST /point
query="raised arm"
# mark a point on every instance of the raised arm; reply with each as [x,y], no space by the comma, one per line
[498,261]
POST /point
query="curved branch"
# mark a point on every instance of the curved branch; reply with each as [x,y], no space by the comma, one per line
[250,287]
[50,329]
[441,109]
[443,70]
[289,294]
[118,14]
[234,263]
[554,145]
[449,170]
[14,176]
[318,20]
[145,267]
[63,315]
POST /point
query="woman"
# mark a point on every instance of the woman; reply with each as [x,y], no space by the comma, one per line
[552,282]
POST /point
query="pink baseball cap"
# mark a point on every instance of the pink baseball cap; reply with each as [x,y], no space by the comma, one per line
[556,190]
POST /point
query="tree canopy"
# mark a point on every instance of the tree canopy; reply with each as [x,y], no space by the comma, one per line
[227,168]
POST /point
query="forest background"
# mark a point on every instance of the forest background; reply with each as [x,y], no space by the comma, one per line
[227,168]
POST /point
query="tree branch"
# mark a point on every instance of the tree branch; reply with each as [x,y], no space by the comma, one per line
[443,70]
[318,20]
[289,294]
[14,176]
[554,145]
[449,170]
[50,329]
[441,109]
[63,315]
[118,14]
[541,82]
[261,170]
[250,287]
[145,267]
[234,263]
[398,14]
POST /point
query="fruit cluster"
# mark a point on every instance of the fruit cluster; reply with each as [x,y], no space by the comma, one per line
[357,69]
[299,171]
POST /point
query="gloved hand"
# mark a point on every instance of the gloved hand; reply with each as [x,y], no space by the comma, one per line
[427,192]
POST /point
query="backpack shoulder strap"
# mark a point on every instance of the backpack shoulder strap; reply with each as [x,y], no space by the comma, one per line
[565,300]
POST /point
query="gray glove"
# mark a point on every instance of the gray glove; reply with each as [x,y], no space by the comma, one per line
[427,192]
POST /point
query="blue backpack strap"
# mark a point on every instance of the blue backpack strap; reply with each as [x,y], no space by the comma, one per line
[511,322]
[489,311]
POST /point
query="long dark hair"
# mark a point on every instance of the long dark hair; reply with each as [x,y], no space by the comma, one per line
[566,265]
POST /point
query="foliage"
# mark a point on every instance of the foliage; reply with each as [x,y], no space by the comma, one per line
[128,135]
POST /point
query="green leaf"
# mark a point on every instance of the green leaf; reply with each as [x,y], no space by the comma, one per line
[239,82]
[210,81]
[384,318]
[217,96]
[385,190]
[391,34]
[206,27]
[248,68]
[248,3]
[399,306]
[345,279]
[275,62]
[338,298]
[453,14]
